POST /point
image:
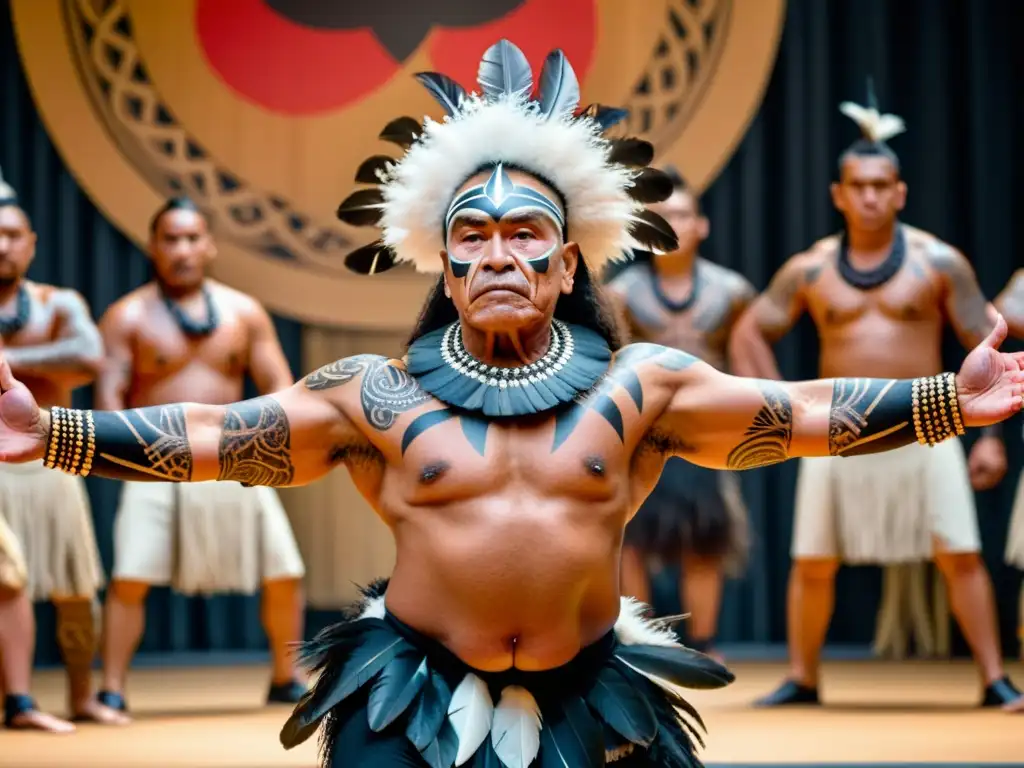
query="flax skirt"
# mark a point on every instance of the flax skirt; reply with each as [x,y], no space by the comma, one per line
[901,712]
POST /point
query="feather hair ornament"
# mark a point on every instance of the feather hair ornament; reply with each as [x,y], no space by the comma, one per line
[604,183]
[8,196]
[875,126]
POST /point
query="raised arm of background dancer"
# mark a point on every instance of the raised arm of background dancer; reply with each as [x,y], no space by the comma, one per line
[1011,303]
[268,365]
[74,357]
[115,374]
[292,437]
[768,318]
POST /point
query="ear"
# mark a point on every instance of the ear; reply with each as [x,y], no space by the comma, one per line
[703,227]
[837,195]
[901,195]
[570,260]
[446,272]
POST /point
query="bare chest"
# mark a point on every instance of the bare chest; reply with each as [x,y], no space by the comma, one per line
[700,326]
[912,296]
[162,349]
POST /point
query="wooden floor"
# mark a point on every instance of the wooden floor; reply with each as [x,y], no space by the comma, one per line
[879,712]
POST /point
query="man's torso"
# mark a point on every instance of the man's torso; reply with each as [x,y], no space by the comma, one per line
[42,327]
[891,331]
[169,366]
[508,533]
[702,327]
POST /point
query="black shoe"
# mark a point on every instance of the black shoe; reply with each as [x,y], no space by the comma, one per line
[790,692]
[286,693]
[1000,692]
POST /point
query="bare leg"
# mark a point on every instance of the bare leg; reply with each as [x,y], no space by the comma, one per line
[17,641]
[633,575]
[125,620]
[973,605]
[282,609]
[808,612]
[701,588]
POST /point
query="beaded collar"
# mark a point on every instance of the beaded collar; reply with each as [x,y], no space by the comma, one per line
[22,308]
[193,328]
[881,274]
[576,359]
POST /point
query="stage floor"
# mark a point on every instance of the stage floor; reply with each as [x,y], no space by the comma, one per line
[879,713]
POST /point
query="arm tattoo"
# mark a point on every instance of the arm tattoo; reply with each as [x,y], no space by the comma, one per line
[773,309]
[143,444]
[622,374]
[967,306]
[767,440]
[255,445]
[387,391]
[869,416]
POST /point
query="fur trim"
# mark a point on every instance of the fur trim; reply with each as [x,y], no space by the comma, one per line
[570,153]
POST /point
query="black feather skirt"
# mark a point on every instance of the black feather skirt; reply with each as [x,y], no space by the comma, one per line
[695,510]
[415,703]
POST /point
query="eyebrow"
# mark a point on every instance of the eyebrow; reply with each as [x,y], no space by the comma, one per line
[522,217]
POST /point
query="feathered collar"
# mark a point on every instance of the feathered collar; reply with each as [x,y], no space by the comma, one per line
[576,359]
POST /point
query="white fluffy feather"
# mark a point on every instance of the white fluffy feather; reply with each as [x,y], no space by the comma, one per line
[470,713]
[570,153]
[633,628]
[515,732]
[874,125]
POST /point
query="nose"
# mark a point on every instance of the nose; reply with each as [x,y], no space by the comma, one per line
[496,256]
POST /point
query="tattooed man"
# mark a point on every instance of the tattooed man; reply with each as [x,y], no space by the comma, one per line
[184,336]
[1011,303]
[880,294]
[509,449]
[694,516]
[47,545]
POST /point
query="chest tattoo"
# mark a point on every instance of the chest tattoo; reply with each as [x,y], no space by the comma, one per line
[474,428]
[623,374]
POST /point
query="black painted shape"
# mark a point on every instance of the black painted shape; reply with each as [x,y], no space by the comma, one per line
[422,423]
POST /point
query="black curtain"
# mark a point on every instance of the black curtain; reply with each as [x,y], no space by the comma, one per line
[951,68]
[78,248]
[954,70]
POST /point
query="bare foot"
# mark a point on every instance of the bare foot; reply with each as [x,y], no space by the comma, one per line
[95,712]
[33,719]
[1017,705]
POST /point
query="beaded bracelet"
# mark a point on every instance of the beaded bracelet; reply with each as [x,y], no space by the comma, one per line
[936,409]
[72,442]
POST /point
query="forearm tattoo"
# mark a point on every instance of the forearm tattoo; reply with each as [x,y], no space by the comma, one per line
[623,374]
[386,392]
[768,439]
[147,444]
[875,415]
[255,444]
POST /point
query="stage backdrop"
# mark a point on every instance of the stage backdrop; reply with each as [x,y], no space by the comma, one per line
[143,99]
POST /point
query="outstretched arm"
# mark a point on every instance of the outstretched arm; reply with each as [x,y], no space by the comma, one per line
[768,318]
[722,421]
[74,357]
[289,438]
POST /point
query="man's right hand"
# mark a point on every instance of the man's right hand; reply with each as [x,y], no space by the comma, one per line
[24,429]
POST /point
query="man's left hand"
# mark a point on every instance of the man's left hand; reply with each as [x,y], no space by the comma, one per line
[990,384]
[987,463]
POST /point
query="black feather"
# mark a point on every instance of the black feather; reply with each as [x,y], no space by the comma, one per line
[635,153]
[504,71]
[677,665]
[652,233]
[622,706]
[429,712]
[368,169]
[394,690]
[362,208]
[402,131]
[377,648]
[571,737]
[651,186]
[559,91]
[448,93]
[606,117]
[371,259]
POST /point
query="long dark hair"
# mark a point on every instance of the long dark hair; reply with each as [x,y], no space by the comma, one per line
[587,305]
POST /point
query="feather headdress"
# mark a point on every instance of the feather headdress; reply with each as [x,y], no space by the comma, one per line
[7,194]
[603,182]
[876,127]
